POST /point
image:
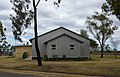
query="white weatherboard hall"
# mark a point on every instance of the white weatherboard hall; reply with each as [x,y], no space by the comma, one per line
[62,42]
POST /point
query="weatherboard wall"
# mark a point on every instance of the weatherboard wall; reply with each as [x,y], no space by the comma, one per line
[63,47]
[57,32]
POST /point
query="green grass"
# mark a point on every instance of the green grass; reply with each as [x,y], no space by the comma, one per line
[107,66]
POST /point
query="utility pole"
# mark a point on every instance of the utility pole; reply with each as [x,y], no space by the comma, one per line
[35,32]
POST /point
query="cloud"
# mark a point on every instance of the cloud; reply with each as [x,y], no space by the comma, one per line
[71,14]
[5,5]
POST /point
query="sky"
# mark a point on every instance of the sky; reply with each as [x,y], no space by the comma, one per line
[71,14]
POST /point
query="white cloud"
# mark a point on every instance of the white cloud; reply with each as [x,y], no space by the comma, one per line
[71,14]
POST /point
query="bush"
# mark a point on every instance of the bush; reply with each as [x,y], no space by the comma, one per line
[83,58]
[10,53]
[55,59]
[45,58]
[70,59]
[54,56]
[64,57]
[25,55]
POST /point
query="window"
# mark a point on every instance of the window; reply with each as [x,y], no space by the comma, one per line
[53,47]
[72,47]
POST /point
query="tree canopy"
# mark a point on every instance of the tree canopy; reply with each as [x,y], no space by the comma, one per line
[2,34]
[3,43]
[93,45]
[84,33]
[112,7]
[22,18]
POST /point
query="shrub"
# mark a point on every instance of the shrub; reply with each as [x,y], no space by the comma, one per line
[64,57]
[45,58]
[25,55]
[10,53]
[83,58]
[54,56]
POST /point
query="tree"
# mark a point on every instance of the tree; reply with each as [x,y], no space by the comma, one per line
[3,42]
[93,45]
[2,34]
[35,28]
[84,33]
[107,47]
[101,28]
[24,18]
[112,7]
[114,44]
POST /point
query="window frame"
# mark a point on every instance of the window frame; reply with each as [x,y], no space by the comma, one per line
[53,46]
[72,47]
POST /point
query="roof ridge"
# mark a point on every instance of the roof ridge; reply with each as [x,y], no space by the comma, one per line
[61,27]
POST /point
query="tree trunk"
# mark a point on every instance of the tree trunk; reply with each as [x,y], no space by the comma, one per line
[115,53]
[35,32]
[102,49]
[102,45]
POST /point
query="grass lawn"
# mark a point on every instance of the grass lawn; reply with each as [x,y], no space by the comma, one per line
[107,66]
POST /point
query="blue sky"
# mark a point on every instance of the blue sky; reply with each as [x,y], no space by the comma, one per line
[71,14]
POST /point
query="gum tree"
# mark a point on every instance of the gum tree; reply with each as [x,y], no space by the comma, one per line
[3,41]
[84,33]
[101,28]
[93,43]
[24,17]
[112,7]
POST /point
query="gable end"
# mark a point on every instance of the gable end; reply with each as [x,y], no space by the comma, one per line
[60,36]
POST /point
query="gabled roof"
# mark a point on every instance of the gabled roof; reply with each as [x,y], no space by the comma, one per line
[63,35]
[58,29]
